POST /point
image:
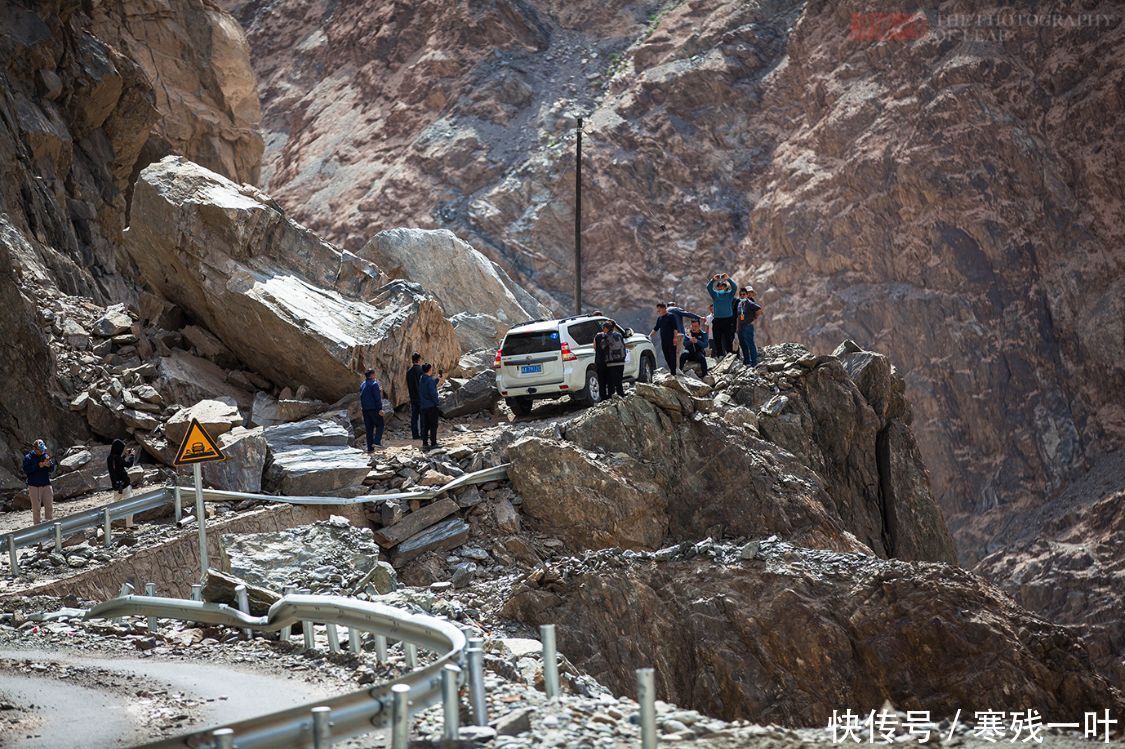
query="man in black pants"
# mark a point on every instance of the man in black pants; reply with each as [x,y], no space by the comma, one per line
[412,376]
[670,323]
[428,391]
[695,348]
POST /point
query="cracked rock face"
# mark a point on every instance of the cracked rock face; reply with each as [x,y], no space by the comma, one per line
[827,469]
[792,634]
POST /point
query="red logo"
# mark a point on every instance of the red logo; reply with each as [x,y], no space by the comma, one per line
[882,27]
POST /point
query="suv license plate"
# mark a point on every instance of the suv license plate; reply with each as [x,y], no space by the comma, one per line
[531,368]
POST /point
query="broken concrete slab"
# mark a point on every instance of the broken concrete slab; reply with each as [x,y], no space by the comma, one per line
[415,522]
[446,535]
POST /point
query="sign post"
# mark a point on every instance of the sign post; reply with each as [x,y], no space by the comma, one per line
[196,449]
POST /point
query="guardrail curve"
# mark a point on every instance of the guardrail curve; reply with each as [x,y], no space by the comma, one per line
[349,714]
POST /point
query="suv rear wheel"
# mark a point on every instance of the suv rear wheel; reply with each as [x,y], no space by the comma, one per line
[521,405]
[648,366]
[590,394]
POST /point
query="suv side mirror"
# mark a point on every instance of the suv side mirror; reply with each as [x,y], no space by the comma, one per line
[628,332]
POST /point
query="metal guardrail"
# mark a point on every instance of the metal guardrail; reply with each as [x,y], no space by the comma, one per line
[349,714]
[106,514]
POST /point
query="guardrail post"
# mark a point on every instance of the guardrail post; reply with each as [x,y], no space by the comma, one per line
[381,649]
[201,521]
[550,661]
[322,727]
[58,537]
[400,716]
[475,654]
[150,591]
[355,640]
[287,630]
[646,698]
[307,631]
[411,651]
[450,703]
[224,738]
[333,637]
[13,556]
[196,592]
[243,605]
[179,502]
[108,521]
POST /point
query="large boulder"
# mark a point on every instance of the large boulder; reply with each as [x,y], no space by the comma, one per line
[182,378]
[245,453]
[476,330]
[456,274]
[777,633]
[285,302]
[312,458]
[478,393]
[217,417]
[638,475]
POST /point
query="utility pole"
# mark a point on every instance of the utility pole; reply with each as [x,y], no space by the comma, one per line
[578,221]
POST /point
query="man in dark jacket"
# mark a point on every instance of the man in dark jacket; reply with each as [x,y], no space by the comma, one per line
[748,311]
[609,361]
[38,467]
[118,463]
[695,348]
[670,324]
[412,376]
[371,401]
[428,395]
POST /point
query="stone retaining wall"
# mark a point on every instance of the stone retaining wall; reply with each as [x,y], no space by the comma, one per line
[174,565]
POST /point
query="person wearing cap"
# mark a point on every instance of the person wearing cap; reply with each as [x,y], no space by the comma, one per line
[371,401]
[413,377]
[748,311]
[38,467]
[722,287]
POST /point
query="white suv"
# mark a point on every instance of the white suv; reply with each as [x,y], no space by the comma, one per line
[549,358]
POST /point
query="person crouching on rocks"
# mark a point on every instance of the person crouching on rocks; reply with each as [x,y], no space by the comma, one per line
[38,467]
[371,401]
[428,395]
[695,348]
[118,463]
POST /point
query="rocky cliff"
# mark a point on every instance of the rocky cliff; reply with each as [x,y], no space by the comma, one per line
[949,196]
[79,117]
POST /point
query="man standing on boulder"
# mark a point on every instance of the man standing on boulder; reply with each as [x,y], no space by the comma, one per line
[722,287]
[748,312]
[428,393]
[670,324]
[413,375]
[371,401]
[38,467]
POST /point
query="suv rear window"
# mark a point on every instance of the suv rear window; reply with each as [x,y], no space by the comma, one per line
[531,343]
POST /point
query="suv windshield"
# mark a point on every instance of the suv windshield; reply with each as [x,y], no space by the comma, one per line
[531,343]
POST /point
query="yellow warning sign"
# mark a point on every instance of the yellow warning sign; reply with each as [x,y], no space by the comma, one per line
[197,447]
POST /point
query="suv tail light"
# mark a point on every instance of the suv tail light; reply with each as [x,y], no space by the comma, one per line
[496,361]
[566,354]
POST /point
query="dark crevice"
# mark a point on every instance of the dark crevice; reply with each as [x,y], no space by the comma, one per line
[886,489]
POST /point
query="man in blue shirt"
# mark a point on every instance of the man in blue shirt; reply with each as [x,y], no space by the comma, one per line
[428,396]
[670,324]
[38,467]
[371,401]
[722,288]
